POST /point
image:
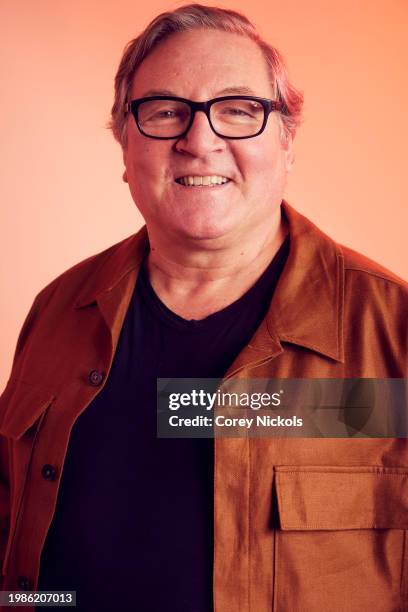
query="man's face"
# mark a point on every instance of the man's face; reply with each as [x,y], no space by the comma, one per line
[201,65]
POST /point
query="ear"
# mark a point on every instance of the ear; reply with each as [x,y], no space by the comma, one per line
[289,152]
[124,175]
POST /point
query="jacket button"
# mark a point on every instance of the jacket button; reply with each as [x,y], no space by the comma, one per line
[23,583]
[48,472]
[95,377]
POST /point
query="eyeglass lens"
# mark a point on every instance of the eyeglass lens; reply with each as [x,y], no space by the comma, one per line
[170,118]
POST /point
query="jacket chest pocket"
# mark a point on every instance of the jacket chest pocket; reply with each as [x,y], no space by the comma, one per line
[342,542]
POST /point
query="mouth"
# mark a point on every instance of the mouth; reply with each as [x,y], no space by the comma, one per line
[211,180]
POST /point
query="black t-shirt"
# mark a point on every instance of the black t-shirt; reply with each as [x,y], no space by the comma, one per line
[133,527]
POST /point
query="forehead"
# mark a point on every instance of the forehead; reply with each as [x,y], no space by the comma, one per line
[203,63]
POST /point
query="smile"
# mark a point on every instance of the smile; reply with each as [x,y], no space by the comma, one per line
[197,181]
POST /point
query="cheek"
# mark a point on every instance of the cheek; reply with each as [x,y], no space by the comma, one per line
[145,156]
[141,160]
[147,167]
[262,153]
[265,163]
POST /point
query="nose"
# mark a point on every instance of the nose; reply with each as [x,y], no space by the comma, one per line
[200,139]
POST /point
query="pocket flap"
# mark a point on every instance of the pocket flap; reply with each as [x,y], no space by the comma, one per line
[327,497]
[21,404]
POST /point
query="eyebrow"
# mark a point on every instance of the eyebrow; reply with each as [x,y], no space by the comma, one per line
[239,90]
[158,92]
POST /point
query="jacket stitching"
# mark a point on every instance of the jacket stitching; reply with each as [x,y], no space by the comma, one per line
[374,471]
[400,283]
[337,527]
[340,305]
[404,571]
[248,526]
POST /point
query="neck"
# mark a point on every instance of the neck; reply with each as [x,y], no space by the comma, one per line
[195,278]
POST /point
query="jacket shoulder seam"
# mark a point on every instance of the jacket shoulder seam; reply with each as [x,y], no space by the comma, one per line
[97,259]
[399,283]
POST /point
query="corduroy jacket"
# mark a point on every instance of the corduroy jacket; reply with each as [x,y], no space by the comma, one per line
[301,524]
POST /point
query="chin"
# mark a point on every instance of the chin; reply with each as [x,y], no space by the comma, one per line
[206,229]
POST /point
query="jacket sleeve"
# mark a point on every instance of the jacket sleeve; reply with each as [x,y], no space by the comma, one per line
[4,500]
[4,442]
[24,334]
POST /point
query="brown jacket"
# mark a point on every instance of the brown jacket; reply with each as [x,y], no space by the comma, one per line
[300,524]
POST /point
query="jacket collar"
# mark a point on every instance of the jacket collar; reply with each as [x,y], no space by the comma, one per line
[307,306]
[116,264]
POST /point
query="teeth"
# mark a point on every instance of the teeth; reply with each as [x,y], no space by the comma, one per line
[209,180]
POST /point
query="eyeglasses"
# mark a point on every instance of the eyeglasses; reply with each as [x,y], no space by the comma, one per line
[167,117]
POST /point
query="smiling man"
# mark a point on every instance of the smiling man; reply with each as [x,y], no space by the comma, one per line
[210,179]
[225,280]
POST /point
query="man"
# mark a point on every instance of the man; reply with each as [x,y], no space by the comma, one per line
[226,280]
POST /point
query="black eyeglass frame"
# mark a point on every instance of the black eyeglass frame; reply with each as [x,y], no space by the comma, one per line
[269,106]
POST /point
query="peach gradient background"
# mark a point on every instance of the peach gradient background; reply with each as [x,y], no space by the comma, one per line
[62,196]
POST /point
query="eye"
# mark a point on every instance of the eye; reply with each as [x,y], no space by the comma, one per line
[169,114]
[163,111]
[235,111]
[165,114]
